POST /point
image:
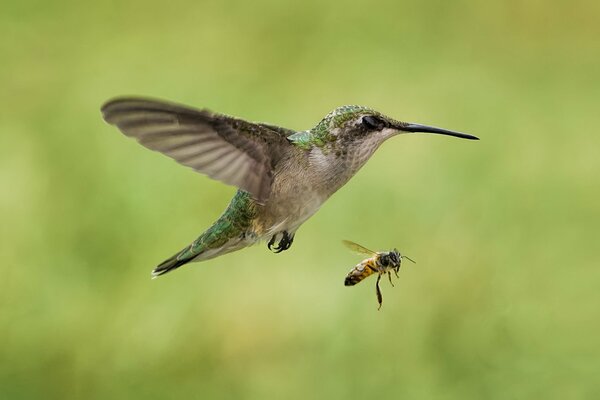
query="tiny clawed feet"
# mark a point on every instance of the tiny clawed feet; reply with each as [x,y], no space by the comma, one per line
[284,244]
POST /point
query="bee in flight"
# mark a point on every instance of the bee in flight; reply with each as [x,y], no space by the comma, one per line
[378,262]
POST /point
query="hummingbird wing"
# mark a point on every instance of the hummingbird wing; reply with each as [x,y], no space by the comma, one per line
[280,130]
[234,151]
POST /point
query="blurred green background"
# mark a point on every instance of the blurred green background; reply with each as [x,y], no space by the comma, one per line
[503,303]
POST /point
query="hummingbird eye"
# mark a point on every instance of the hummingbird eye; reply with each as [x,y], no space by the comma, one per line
[373,123]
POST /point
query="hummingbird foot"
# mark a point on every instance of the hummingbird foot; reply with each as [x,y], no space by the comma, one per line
[284,244]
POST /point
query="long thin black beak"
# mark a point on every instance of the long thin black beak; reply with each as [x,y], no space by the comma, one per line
[432,129]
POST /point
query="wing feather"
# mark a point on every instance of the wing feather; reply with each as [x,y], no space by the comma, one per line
[231,150]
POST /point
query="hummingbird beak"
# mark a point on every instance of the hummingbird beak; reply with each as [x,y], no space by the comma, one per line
[432,129]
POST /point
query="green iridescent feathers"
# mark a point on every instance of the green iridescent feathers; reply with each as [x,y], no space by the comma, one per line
[236,220]
[322,134]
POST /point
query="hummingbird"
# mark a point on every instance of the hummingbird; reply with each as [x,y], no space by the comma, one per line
[283,176]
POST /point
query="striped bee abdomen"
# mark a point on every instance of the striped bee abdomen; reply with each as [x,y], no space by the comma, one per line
[360,272]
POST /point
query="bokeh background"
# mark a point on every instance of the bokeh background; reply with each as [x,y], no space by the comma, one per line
[504,300]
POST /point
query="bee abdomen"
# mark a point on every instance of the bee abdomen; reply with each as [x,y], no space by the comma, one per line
[352,280]
[358,273]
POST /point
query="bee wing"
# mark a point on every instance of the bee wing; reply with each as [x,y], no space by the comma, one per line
[358,248]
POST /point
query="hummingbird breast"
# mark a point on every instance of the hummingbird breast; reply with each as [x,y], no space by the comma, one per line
[296,194]
[303,180]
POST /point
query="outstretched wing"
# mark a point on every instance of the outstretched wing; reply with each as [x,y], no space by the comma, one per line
[358,248]
[231,150]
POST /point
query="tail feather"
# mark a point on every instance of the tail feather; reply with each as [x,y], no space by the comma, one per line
[227,234]
[200,250]
[170,264]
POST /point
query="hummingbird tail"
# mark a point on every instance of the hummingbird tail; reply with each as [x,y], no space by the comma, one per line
[202,249]
[169,264]
[229,233]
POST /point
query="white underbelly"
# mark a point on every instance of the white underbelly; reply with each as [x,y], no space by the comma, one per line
[290,213]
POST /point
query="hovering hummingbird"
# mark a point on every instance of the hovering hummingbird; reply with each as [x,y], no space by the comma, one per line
[283,176]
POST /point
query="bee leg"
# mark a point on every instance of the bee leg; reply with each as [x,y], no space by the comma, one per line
[379,296]
[396,272]
[390,278]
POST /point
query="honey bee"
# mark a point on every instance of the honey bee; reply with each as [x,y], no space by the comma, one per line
[378,262]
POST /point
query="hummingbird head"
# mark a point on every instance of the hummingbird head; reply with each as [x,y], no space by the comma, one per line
[357,124]
[347,137]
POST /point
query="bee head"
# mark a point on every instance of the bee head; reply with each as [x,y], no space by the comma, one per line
[394,259]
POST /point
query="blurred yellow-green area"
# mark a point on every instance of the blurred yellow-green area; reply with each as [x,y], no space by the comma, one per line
[503,303]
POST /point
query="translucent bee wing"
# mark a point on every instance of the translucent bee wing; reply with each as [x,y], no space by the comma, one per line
[358,248]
